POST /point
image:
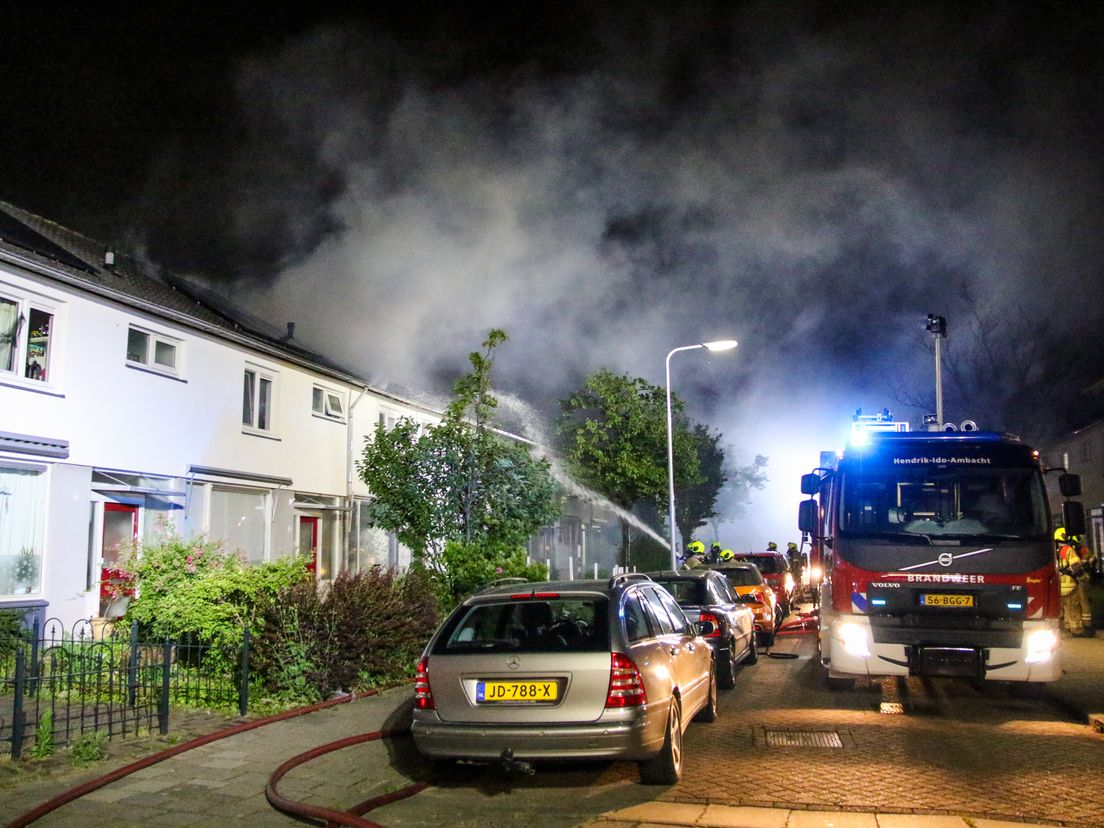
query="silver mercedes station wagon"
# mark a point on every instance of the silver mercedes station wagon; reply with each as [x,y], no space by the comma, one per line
[566,670]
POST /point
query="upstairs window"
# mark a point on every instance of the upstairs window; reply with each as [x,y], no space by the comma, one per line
[327,403]
[151,350]
[257,399]
[25,339]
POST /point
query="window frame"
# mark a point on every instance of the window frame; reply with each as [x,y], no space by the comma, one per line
[326,409]
[25,304]
[153,338]
[261,375]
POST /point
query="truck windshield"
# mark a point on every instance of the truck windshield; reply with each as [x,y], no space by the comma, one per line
[926,501]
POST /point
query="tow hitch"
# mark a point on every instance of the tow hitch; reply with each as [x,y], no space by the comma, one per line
[512,765]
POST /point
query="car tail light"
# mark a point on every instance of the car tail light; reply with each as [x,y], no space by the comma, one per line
[423,696]
[711,617]
[626,687]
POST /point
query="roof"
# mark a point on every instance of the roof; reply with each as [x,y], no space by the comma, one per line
[53,251]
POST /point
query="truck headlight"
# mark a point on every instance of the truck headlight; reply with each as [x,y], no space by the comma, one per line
[789,582]
[1041,645]
[853,637]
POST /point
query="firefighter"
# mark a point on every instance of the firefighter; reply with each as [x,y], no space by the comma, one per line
[726,555]
[772,546]
[1088,561]
[714,552]
[695,556]
[1071,571]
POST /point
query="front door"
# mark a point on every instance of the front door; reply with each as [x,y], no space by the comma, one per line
[308,542]
[120,531]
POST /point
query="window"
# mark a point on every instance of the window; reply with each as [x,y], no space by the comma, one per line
[25,329]
[152,350]
[238,519]
[257,398]
[327,403]
[636,622]
[22,529]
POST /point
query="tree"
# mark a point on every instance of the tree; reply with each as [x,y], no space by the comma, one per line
[458,483]
[695,502]
[613,434]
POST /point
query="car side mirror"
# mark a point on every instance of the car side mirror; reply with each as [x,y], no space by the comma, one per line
[704,628]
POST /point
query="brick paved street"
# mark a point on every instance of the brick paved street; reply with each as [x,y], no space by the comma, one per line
[949,749]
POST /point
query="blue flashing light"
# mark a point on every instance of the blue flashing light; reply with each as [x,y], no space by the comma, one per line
[1013,606]
[878,602]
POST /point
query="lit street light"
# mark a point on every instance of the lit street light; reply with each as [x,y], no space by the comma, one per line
[719,345]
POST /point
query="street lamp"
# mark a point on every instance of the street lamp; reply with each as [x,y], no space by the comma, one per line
[719,345]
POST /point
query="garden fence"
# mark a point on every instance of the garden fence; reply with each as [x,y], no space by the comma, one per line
[107,680]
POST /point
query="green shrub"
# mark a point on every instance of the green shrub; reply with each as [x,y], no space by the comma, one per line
[88,748]
[44,737]
[11,632]
[195,587]
[467,567]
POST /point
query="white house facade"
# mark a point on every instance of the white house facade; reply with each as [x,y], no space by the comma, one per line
[125,403]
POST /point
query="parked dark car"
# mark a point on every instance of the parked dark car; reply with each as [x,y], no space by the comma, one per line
[705,595]
[747,582]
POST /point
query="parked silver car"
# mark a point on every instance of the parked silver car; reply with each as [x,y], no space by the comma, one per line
[566,670]
[705,595]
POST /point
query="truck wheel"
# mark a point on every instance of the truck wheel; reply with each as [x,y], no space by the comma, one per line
[666,767]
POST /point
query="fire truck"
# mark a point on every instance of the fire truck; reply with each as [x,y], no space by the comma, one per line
[937,554]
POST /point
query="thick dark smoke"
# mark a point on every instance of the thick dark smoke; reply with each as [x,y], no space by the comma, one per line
[606,182]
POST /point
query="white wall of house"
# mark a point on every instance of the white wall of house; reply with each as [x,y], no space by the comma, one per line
[132,430]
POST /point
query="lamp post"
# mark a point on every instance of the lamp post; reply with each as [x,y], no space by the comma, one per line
[718,345]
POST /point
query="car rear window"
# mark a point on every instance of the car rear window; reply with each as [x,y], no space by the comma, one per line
[743,577]
[768,564]
[544,625]
[686,592]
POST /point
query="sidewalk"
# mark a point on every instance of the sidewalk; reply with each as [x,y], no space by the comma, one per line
[225,780]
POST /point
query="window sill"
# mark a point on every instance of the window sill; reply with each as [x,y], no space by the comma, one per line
[145,369]
[256,432]
[11,381]
[338,420]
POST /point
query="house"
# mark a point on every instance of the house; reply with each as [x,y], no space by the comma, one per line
[128,400]
[1082,451]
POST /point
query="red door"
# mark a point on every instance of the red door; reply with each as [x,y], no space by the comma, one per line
[308,542]
[119,532]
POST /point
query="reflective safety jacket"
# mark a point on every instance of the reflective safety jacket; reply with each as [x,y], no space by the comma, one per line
[1067,557]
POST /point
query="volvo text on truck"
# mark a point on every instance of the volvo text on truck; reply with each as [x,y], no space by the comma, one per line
[937,557]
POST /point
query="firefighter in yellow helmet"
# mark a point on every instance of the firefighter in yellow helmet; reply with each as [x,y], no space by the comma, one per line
[1073,580]
[695,555]
[714,552]
[726,555]
[772,546]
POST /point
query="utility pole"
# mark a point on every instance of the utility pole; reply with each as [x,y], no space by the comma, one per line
[937,326]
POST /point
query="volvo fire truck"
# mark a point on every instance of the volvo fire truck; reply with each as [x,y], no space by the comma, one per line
[937,556]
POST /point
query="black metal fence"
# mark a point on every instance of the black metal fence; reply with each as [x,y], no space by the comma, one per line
[106,680]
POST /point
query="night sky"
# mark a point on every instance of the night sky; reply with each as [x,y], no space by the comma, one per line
[607,182]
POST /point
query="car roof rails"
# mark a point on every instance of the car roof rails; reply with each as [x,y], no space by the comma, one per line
[622,577]
[502,582]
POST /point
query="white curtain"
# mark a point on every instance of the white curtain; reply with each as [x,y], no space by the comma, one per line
[22,519]
[9,319]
